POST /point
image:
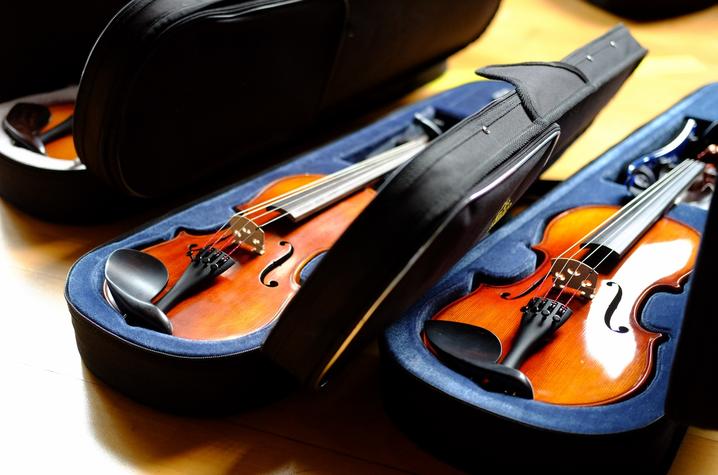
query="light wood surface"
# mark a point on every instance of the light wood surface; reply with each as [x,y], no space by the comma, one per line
[56,417]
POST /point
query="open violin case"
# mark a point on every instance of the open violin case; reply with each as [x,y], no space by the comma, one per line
[448,413]
[422,227]
[181,98]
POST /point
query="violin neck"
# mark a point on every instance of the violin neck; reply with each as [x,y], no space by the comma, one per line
[618,235]
[345,182]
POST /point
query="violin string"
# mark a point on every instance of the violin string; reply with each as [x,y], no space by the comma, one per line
[338,179]
[372,161]
[414,146]
[687,166]
[581,242]
[602,227]
[666,187]
[282,214]
[657,188]
[688,170]
[313,187]
[316,183]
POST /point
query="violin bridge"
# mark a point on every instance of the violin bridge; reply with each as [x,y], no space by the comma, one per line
[576,275]
[247,234]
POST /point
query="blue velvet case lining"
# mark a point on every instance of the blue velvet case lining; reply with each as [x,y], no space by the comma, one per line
[84,285]
[506,256]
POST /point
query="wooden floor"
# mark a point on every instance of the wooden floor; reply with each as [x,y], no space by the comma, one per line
[56,417]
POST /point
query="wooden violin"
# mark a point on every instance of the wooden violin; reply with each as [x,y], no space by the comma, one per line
[239,279]
[46,130]
[570,332]
[62,146]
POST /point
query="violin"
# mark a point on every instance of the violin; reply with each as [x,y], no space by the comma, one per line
[43,129]
[237,280]
[60,146]
[570,333]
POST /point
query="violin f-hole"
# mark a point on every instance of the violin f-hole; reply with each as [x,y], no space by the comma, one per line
[540,257]
[612,308]
[534,286]
[275,264]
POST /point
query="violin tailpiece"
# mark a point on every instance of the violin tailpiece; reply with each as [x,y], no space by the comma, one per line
[541,317]
[206,264]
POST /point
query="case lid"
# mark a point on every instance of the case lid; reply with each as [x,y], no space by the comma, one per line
[190,93]
[173,92]
[429,213]
[693,384]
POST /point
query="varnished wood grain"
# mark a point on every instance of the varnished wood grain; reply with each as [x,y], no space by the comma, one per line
[64,147]
[587,363]
[238,302]
[57,417]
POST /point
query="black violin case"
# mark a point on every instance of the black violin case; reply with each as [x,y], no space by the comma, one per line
[426,217]
[185,97]
[449,414]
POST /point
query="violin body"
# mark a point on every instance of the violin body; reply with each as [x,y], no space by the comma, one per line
[63,147]
[601,354]
[252,293]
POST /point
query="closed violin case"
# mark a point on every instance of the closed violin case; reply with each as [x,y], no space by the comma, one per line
[181,98]
[497,137]
[447,409]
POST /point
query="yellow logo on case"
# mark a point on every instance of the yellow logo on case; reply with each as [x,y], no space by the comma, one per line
[504,209]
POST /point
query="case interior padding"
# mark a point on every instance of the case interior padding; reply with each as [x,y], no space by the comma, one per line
[506,256]
[85,280]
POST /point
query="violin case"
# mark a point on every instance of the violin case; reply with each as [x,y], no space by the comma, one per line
[430,213]
[182,98]
[450,415]
[426,217]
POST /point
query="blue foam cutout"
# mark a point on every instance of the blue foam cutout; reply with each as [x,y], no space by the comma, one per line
[506,255]
[84,285]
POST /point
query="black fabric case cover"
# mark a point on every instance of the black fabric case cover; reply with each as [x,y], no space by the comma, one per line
[421,222]
[174,92]
[185,97]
